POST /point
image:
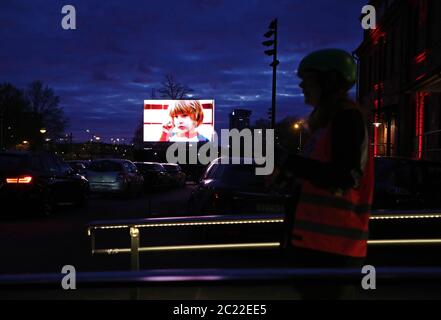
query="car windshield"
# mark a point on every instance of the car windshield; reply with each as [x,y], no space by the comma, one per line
[149,166]
[105,166]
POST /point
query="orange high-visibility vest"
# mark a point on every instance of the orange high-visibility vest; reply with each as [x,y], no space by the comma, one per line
[334,221]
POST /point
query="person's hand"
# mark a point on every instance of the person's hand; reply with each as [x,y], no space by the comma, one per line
[167,128]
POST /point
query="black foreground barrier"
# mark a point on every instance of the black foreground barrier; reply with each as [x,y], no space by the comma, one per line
[206,284]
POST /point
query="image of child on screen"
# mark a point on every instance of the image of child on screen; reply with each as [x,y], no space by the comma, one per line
[185,117]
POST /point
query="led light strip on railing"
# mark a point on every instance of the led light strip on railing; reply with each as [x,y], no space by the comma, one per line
[406,216]
[181,224]
[257,245]
[257,221]
[403,242]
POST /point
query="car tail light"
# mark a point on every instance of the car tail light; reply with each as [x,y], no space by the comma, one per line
[19,180]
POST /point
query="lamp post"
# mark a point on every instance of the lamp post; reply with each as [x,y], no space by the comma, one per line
[272,35]
[298,126]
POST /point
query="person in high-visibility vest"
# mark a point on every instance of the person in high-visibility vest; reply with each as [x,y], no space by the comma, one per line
[330,224]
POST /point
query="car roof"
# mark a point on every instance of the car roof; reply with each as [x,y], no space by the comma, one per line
[141,162]
[112,160]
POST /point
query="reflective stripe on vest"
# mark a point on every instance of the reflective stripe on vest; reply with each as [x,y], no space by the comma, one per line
[329,221]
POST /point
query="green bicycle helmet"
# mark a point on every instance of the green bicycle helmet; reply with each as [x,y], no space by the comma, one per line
[330,60]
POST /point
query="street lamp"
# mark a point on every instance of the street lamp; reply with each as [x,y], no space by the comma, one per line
[377,124]
[42,130]
[298,126]
[271,34]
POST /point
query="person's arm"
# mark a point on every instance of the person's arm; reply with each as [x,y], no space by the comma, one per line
[348,134]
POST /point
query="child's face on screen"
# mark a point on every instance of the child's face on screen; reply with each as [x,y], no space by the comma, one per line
[184,124]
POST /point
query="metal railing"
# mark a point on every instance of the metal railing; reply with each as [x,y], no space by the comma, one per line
[134,226]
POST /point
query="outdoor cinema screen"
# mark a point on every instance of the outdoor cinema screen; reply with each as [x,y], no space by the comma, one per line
[178,120]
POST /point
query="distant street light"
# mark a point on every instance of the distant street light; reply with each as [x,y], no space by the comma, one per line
[97,138]
[42,130]
[298,126]
[25,142]
[377,124]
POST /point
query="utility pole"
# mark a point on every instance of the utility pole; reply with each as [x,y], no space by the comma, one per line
[272,32]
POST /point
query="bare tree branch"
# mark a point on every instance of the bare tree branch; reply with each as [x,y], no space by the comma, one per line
[174,90]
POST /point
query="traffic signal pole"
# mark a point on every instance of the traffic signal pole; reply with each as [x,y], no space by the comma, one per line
[274,65]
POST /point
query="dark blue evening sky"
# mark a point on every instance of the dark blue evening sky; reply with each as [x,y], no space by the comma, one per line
[121,50]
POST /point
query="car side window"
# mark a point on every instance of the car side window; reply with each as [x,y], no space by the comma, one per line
[63,166]
[133,168]
[126,166]
[50,164]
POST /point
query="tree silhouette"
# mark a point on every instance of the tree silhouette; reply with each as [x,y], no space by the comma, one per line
[174,90]
[43,101]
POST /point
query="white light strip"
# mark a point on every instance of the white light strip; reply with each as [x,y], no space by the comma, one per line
[257,245]
[181,224]
[413,216]
[404,241]
[261,221]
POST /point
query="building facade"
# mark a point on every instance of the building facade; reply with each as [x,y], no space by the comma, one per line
[400,78]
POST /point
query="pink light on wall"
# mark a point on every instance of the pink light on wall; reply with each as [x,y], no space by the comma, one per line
[422,57]
[419,126]
[375,128]
[377,35]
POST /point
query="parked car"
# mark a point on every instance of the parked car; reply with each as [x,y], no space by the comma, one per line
[407,184]
[235,189]
[40,181]
[114,176]
[155,176]
[177,176]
